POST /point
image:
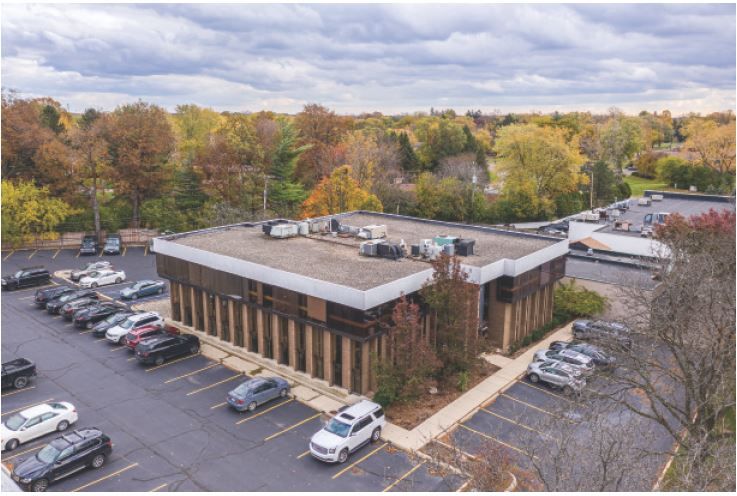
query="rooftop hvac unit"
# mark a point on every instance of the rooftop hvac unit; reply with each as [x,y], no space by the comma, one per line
[304,228]
[415,250]
[370,248]
[282,231]
[464,247]
[449,249]
[657,197]
[390,250]
[425,246]
[334,225]
[318,226]
[372,232]
[433,252]
[444,240]
[266,228]
[644,201]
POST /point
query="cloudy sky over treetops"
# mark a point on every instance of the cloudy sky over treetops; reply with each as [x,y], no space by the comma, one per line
[361,58]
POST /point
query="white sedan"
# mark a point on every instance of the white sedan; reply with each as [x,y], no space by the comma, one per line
[35,422]
[101,278]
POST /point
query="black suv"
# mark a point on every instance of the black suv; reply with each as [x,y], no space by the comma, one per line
[62,457]
[112,245]
[29,276]
[89,246]
[54,306]
[43,296]
[157,349]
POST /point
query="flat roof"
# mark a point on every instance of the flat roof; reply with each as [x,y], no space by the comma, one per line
[618,274]
[330,267]
[336,259]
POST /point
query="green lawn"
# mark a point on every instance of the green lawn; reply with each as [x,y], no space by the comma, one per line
[640,184]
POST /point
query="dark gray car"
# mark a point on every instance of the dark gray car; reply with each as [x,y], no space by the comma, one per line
[601,330]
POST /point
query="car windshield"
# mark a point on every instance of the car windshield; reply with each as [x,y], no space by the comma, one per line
[138,285]
[93,274]
[127,324]
[18,274]
[113,241]
[15,421]
[338,428]
[48,454]
[242,389]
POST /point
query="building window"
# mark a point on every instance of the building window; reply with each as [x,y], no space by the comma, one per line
[268,350]
[337,359]
[238,323]
[283,340]
[318,352]
[268,295]
[302,305]
[301,346]
[356,351]
[252,291]
[200,324]
[253,330]
[224,320]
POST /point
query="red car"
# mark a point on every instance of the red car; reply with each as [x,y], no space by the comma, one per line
[136,336]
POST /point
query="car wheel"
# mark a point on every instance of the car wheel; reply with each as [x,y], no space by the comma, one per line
[159,360]
[90,325]
[40,486]
[343,456]
[63,425]
[121,340]
[534,378]
[134,296]
[94,285]
[283,393]
[118,280]
[11,445]
[20,382]
[98,461]
[194,349]
[376,435]
[567,390]
[251,406]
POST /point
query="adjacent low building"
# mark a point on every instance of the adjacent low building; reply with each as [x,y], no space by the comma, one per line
[308,299]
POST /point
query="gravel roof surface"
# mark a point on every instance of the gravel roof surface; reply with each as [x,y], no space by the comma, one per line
[336,259]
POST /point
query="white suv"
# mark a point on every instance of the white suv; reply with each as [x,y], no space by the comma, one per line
[349,430]
[116,334]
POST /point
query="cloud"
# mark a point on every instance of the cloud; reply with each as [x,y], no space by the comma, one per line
[391,57]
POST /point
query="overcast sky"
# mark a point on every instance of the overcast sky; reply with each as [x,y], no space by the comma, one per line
[360,58]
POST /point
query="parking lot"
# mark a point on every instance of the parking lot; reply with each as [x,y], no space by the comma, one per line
[170,426]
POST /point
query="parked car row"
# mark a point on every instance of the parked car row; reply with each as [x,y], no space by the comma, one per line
[566,365]
[111,246]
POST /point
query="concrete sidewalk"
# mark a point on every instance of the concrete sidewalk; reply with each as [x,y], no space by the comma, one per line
[467,404]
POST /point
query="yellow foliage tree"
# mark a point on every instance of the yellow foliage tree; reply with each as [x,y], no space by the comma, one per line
[714,144]
[339,193]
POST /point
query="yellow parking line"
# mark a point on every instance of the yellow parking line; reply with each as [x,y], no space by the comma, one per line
[303,455]
[27,406]
[87,331]
[29,450]
[205,388]
[157,488]
[119,348]
[277,434]
[483,434]
[32,253]
[100,339]
[78,254]
[358,461]
[463,486]
[26,297]
[105,477]
[407,474]
[8,255]
[190,373]
[172,362]
[264,411]
[69,324]
[125,249]
[529,405]
[145,251]
[545,391]
[55,254]
[218,405]
[506,419]
[131,359]
[18,391]
[100,253]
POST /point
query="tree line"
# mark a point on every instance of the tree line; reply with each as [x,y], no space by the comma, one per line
[141,166]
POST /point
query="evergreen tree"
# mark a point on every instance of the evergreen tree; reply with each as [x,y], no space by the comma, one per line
[471,144]
[285,193]
[408,160]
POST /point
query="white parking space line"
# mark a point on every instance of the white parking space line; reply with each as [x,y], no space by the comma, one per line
[407,474]
[173,379]
[205,388]
[293,426]
[158,488]
[359,461]
[19,391]
[264,411]
[172,362]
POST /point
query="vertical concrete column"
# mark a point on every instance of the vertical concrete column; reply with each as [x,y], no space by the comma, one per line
[275,337]
[309,365]
[292,335]
[206,313]
[374,352]
[172,289]
[365,366]
[508,325]
[347,363]
[218,322]
[260,330]
[231,323]
[195,314]
[244,326]
[328,358]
